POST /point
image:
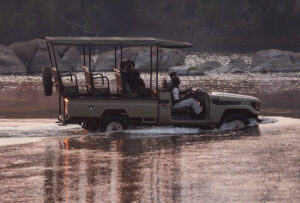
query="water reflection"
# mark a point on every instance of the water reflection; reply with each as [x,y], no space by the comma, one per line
[118,168]
[258,164]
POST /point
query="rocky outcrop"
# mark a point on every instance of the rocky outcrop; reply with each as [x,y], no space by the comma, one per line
[198,69]
[141,56]
[9,62]
[34,54]
[70,60]
[186,70]
[275,61]
[235,66]
[25,50]
[208,66]
[40,58]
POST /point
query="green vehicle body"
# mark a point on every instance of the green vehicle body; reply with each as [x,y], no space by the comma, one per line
[118,110]
[157,111]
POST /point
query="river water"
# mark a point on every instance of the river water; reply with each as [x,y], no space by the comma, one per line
[41,161]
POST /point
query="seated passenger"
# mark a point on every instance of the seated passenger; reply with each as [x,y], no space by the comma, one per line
[168,85]
[183,101]
[133,81]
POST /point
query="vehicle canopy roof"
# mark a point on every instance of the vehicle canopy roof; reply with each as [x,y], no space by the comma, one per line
[118,41]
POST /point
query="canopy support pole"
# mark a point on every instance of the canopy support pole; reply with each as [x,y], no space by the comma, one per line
[151,52]
[54,57]
[115,56]
[121,54]
[156,67]
[157,95]
[90,59]
[59,95]
[84,62]
[49,52]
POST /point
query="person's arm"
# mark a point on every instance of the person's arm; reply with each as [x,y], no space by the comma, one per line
[175,93]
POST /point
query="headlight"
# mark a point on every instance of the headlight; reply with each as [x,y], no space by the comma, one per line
[255,105]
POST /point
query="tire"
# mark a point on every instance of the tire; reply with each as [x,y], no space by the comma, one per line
[113,123]
[238,121]
[47,81]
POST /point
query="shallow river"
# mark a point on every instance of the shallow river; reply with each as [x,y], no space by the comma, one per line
[41,161]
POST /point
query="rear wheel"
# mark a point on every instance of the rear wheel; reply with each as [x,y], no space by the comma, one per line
[113,123]
[237,121]
[47,81]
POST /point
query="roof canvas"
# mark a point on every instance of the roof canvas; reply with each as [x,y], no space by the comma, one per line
[118,41]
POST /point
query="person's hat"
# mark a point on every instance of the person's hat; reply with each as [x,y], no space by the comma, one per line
[175,81]
[131,62]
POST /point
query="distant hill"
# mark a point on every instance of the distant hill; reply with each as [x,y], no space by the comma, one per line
[210,24]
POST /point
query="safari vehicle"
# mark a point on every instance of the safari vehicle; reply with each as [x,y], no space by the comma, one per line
[101,108]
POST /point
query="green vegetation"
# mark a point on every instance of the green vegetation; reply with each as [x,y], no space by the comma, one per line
[192,68]
[23,20]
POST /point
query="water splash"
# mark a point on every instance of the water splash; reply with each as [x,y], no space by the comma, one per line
[32,128]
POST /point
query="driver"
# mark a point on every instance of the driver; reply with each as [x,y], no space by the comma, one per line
[180,101]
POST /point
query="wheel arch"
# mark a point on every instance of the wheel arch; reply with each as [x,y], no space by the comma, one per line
[229,112]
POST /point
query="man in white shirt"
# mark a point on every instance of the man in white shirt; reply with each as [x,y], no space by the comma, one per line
[183,102]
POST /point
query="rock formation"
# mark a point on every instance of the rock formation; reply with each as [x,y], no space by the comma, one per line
[35,56]
[141,56]
[9,62]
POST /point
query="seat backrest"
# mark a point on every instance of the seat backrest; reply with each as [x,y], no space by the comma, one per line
[88,78]
[57,79]
[67,91]
[119,82]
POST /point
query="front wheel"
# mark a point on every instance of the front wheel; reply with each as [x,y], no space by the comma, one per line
[113,123]
[236,122]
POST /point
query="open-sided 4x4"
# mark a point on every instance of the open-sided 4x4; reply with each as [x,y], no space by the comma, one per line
[98,108]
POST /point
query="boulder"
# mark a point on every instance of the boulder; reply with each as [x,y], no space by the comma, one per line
[180,70]
[228,69]
[70,60]
[274,56]
[141,56]
[223,69]
[297,58]
[9,62]
[40,58]
[275,61]
[142,61]
[34,54]
[186,70]
[170,58]
[239,63]
[208,66]
[106,61]
[25,50]
[236,71]
[272,68]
